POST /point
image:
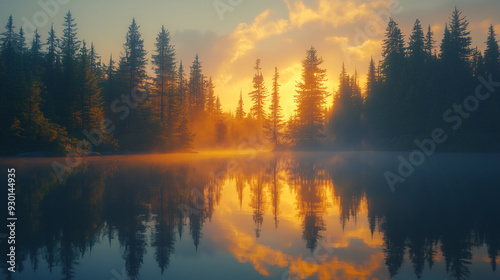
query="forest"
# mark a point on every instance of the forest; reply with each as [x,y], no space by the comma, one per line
[58,96]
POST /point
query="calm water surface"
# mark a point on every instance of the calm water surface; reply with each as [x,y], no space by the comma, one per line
[263,216]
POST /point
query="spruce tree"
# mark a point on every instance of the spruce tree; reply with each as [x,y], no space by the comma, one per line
[196,89]
[492,54]
[165,69]
[417,45]
[133,63]
[259,95]
[240,112]
[429,42]
[310,99]
[210,97]
[371,78]
[393,52]
[274,124]
[184,135]
[67,100]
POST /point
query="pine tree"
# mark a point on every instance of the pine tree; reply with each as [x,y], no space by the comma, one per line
[36,55]
[88,110]
[132,76]
[196,89]
[133,64]
[183,98]
[310,99]
[70,43]
[211,106]
[110,90]
[13,85]
[371,79]
[429,42]
[478,65]
[492,54]
[51,75]
[220,127]
[417,45]
[345,123]
[393,52]
[9,37]
[259,94]
[165,69]
[67,100]
[459,36]
[275,122]
[21,41]
[184,136]
[240,113]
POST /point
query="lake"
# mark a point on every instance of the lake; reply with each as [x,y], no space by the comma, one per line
[251,215]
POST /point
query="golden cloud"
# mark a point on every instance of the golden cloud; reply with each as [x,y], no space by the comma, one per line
[245,36]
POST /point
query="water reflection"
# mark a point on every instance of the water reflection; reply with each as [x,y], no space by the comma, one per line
[442,222]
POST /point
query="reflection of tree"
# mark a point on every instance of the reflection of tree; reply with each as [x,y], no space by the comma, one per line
[165,205]
[310,184]
[258,202]
[437,211]
[275,189]
[240,187]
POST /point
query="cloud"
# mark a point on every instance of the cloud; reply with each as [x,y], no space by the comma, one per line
[334,12]
[364,51]
[245,36]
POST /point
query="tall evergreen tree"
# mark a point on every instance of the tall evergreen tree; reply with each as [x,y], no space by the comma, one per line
[240,112]
[182,86]
[345,122]
[259,94]
[460,36]
[492,54]
[478,65]
[184,136]
[67,99]
[429,42]
[9,37]
[211,106]
[275,122]
[51,74]
[417,45]
[21,41]
[393,52]
[196,89]
[133,63]
[371,78]
[165,69]
[310,99]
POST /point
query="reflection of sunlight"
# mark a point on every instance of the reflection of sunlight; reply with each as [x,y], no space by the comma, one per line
[235,234]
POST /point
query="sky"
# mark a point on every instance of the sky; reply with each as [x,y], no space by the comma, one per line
[229,35]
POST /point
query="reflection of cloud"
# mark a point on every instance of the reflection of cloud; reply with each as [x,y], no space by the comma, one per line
[246,250]
[233,234]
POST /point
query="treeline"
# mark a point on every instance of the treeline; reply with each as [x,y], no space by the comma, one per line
[55,94]
[414,90]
